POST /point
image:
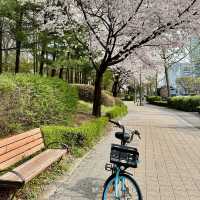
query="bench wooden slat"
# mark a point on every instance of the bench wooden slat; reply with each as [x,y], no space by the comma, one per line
[20,150]
[35,166]
[3,150]
[24,142]
[11,139]
[17,147]
[19,157]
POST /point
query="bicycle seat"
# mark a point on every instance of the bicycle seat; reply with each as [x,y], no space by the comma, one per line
[123,137]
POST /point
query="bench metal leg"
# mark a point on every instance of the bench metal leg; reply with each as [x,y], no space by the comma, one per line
[7,194]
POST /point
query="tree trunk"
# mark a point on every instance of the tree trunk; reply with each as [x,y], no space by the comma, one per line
[1,42]
[67,75]
[42,60]
[115,86]
[135,92]
[156,89]
[167,80]
[71,75]
[47,71]
[53,72]
[18,53]
[140,87]
[97,95]
[18,42]
[61,73]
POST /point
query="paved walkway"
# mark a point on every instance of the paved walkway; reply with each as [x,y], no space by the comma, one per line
[169,153]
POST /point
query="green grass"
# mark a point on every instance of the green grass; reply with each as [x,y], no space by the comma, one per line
[116,111]
[84,107]
[29,101]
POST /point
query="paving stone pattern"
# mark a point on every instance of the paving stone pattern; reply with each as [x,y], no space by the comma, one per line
[169,154]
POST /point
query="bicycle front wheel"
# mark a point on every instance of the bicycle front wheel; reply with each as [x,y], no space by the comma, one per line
[127,187]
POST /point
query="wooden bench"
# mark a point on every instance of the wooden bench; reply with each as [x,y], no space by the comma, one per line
[16,148]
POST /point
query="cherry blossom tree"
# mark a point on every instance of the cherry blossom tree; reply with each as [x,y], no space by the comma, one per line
[121,77]
[117,28]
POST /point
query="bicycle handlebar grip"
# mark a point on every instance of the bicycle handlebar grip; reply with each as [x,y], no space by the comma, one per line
[116,123]
[138,133]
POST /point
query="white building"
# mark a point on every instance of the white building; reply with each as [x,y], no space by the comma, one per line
[177,70]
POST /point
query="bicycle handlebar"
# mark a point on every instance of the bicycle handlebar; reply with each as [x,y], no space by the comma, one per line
[118,124]
[134,132]
[114,122]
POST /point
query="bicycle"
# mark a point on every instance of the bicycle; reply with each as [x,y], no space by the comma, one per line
[121,185]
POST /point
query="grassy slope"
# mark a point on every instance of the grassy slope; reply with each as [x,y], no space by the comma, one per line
[28,101]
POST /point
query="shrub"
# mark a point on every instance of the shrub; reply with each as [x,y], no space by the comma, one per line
[76,137]
[161,103]
[118,102]
[129,97]
[116,111]
[29,101]
[186,103]
[151,99]
[198,109]
[86,93]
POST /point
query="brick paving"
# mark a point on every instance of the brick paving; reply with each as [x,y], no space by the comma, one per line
[169,153]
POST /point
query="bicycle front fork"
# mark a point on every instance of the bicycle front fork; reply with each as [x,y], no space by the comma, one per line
[116,186]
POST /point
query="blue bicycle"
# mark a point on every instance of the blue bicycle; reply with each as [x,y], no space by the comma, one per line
[121,185]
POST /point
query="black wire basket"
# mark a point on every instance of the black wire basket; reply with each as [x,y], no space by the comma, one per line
[124,156]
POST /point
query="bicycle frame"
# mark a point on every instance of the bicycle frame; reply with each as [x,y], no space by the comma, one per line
[117,179]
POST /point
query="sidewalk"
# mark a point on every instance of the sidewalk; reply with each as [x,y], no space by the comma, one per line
[169,153]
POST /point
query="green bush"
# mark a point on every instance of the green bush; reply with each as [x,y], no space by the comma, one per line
[116,111]
[129,97]
[76,137]
[186,103]
[118,102]
[161,103]
[151,99]
[86,93]
[198,109]
[29,101]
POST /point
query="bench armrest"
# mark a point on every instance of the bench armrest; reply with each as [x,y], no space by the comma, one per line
[12,183]
[62,145]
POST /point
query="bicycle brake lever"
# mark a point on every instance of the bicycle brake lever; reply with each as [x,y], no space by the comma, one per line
[138,134]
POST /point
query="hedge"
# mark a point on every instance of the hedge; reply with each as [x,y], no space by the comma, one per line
[152,99]
[185,103]
[198,109]
[160,103]
[80,137]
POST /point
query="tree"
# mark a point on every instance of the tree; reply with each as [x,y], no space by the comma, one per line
[121,77]
[118,28]
[16,27]
[1,44]
[190,85]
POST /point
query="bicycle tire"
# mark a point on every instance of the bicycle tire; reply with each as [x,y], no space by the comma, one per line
[128,177]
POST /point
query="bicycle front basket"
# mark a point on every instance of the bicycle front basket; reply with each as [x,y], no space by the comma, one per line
[124,155]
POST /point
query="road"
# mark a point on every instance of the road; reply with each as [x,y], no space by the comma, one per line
[169,154]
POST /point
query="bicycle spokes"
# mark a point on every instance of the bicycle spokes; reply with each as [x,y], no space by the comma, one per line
[125,188]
